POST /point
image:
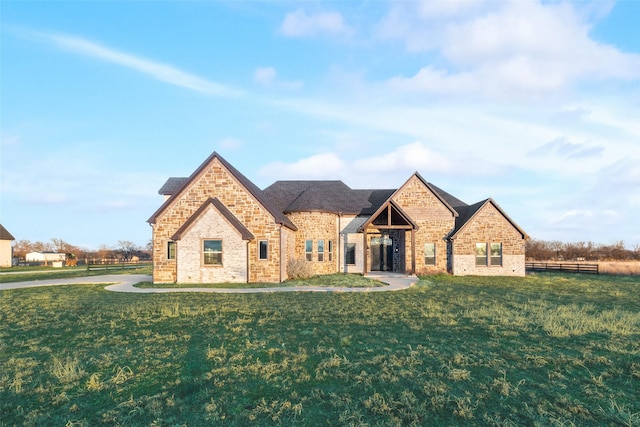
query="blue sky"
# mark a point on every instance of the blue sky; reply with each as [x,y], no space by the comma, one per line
[536,104]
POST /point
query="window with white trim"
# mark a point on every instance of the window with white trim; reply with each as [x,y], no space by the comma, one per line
[429,254]
[212,252]
[308,249]
[321,250]
[496,254]
[481,254]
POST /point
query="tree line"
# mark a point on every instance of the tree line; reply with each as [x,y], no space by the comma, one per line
[541,250]
[124,250]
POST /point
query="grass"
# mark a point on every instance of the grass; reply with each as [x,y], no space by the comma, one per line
[40,273]
[330,280]
[547,349]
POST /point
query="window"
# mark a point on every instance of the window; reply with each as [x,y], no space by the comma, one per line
[496,253]
[262,249]
[481,254]
[429,254]
[171,250]
[321,250]
[308,249]
[212,251]
[350,254]
[330,242]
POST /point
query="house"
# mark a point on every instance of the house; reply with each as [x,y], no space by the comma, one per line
[45,257]
[6,249]
[217,226]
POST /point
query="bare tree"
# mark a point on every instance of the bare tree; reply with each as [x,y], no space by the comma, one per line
[126,249]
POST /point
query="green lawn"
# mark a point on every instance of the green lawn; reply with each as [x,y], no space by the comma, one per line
[24,274]
[329,280]
[543,350]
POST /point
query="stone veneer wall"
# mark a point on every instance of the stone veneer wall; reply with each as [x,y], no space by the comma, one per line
[433,219]
[216,181]
[489,226]
[315,226]
[191,268]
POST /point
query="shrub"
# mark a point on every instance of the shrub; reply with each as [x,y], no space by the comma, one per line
[298,268]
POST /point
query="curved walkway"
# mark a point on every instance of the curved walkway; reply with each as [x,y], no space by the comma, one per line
[126,282]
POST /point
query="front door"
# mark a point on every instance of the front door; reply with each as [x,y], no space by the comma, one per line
[382,253]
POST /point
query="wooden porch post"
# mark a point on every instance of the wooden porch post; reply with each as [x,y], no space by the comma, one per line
[364,248]
[413,251]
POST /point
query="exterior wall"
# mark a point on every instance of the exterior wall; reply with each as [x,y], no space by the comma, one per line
[216,181]
[348,226]
[489,226]
[434,222]
[6,253]
[190,267]
[315,226]
[44,256]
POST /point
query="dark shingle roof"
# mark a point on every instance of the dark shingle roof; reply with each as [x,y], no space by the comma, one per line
[172,186]
[323,196]
[466,213]
[4,234]
[452,200]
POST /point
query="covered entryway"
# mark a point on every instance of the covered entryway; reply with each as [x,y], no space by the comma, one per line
[385,234]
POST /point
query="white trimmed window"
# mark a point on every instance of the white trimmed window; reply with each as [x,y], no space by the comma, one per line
[481,254]
[321,250]
[429,254]
[496,254]
[212,252]
[308,249]
[263,250]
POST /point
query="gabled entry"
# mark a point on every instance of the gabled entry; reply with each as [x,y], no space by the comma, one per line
[385,236]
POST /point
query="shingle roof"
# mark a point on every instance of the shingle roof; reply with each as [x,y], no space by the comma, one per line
[323,196]
[4,234]
[172,186]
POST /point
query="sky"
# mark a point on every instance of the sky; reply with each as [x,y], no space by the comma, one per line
[535,104]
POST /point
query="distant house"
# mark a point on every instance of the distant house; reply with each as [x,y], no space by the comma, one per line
[6,249]
[217,226]
[45,257]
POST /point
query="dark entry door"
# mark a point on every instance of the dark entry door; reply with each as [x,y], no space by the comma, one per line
[382,253]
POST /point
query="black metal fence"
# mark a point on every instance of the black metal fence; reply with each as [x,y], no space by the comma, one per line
[567,267]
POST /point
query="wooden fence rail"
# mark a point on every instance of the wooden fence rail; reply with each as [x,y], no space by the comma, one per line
[569,267]
[118,266]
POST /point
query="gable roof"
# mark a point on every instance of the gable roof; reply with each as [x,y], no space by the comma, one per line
[467,213]
[278,216]
[389,204]
[4,234]
[224,211]
[172,186]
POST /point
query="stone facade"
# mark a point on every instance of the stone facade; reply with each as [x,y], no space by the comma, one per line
[189,251]
[215,180]
[489,225]
[316,227]
[218,203]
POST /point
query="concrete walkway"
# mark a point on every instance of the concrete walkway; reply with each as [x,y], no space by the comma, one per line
[126,282]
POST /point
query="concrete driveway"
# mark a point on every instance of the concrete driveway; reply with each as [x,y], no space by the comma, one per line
[126,282]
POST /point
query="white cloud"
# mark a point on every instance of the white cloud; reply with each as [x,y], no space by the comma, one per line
[503,49]
[268,77]
[319,166]
[157,70]
[415,157]
[299,24]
